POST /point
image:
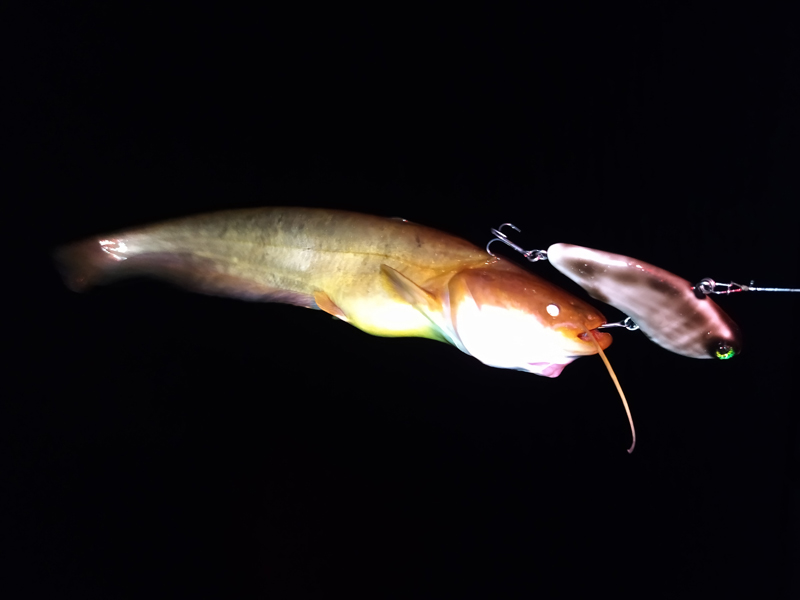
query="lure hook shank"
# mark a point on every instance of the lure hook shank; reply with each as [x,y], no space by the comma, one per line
[627,323]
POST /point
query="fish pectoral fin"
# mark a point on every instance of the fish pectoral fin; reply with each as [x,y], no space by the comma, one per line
[426,303]
[325,303]
[408,290]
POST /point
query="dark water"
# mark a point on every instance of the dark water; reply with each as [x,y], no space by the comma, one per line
[155,443]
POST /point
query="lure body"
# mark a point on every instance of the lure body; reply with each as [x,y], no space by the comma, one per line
[663,305]
[387,277]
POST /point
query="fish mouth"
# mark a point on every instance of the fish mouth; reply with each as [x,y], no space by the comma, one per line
[601,337]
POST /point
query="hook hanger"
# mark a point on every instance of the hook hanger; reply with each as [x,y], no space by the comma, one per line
[531,255]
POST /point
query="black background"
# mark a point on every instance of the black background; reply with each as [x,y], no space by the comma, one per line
[156,443]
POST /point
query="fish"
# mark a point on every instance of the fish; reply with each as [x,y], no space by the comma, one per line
[388,277]
[666,307]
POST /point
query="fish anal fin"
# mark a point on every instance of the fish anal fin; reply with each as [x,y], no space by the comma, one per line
[325,303]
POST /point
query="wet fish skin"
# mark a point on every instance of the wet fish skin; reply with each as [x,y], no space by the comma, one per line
[385,276]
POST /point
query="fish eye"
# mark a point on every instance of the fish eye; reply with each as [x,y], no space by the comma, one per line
[724,351]
[553,310]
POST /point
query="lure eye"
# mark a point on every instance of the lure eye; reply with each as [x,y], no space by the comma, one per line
[724,352]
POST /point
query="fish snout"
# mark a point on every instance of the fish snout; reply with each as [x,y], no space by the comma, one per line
[584,340]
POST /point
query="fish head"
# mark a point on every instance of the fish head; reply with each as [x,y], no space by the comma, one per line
[509,318]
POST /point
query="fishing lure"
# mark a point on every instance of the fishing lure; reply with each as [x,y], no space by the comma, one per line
[663,305]
[668,309]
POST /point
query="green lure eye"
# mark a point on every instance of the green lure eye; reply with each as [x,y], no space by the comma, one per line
[725,352]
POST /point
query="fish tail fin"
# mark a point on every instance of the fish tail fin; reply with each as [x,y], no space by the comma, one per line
[95,261]
[85,264]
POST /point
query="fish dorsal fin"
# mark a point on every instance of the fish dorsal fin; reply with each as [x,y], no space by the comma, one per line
[408,290]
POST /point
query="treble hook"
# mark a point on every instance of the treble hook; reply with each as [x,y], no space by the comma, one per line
[531,255]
